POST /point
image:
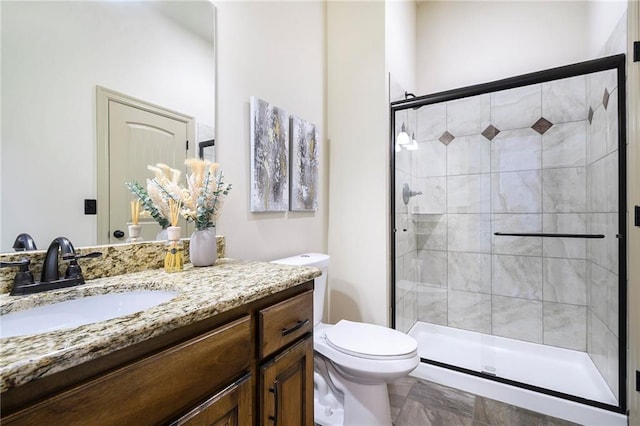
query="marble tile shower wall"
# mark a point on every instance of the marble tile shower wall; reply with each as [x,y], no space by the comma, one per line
[602,218]
[541,158]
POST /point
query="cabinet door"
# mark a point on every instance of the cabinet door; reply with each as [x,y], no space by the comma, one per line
[287,387]
[231,406]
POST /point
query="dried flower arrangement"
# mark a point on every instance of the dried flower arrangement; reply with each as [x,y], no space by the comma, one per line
[205,193]
[201,200]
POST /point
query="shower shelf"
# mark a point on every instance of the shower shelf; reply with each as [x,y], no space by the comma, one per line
[546,235]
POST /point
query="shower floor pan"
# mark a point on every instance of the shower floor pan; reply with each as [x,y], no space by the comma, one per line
[562,370]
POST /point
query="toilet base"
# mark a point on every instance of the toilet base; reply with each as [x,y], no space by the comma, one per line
[367,405]
[339,401]
[326,416]
[327,399]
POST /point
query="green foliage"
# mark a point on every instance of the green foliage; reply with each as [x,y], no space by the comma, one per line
[147,204]
[208,201]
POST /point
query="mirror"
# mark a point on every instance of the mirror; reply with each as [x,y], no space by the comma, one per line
[54,54]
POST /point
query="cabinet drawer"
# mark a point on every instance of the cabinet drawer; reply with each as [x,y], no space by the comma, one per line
[284,322]
[153,389]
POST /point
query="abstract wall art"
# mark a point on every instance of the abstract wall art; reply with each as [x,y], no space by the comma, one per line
[304,165]
[269,157]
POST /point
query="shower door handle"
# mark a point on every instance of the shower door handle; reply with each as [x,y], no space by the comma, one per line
[546,235]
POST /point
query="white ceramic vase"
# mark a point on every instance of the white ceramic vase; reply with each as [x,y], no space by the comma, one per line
[202,247]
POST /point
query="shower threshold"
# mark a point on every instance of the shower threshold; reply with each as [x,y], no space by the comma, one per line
[561,370]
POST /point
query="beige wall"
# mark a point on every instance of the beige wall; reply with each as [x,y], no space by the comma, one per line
[400,42]
[602,17]
[470,42]
[357,123]
[275,51]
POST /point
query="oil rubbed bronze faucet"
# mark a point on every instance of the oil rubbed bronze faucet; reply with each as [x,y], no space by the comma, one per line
[50,265]
[50,277]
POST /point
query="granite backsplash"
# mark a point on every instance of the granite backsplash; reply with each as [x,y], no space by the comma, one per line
[116,259]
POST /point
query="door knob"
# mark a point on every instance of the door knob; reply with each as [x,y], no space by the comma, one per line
[118,233]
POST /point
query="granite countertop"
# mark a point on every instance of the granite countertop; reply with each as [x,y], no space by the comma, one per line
[203,292]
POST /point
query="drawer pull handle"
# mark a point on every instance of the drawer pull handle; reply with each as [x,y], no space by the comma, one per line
[298,326]
[274,391]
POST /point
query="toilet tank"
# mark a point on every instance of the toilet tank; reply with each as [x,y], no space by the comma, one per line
[317,260]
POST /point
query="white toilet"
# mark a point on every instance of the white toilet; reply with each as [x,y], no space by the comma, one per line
[353,361]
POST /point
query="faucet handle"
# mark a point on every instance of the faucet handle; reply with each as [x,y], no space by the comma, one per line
[24,242]
[73,270]
[24,275]
[25,261]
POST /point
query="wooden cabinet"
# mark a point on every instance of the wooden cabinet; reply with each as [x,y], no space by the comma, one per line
[286,379]
[287,386]
[240,367]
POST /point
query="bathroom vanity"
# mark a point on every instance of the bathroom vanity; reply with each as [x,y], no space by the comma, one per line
[233,347]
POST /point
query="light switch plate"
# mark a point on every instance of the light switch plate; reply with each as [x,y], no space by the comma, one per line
[90,206]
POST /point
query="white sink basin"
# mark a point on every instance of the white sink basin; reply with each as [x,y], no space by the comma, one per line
[76,312]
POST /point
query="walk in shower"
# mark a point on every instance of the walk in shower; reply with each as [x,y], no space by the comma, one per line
[508,230]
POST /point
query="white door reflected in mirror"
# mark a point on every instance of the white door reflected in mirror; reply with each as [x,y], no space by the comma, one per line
[139,135]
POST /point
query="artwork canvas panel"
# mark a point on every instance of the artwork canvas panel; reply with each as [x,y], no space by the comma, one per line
[269,157]
[304,165]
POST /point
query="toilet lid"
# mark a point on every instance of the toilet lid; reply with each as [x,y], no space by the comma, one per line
[370,341]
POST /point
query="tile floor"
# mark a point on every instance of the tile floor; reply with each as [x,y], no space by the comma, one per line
[416,402]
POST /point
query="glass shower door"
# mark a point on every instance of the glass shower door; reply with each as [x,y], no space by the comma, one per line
[507,208]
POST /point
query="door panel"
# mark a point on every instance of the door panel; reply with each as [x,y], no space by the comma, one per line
[287,387]
[138,138]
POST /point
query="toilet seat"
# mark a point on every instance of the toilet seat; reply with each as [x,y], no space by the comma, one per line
[360,367]
[370,341]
